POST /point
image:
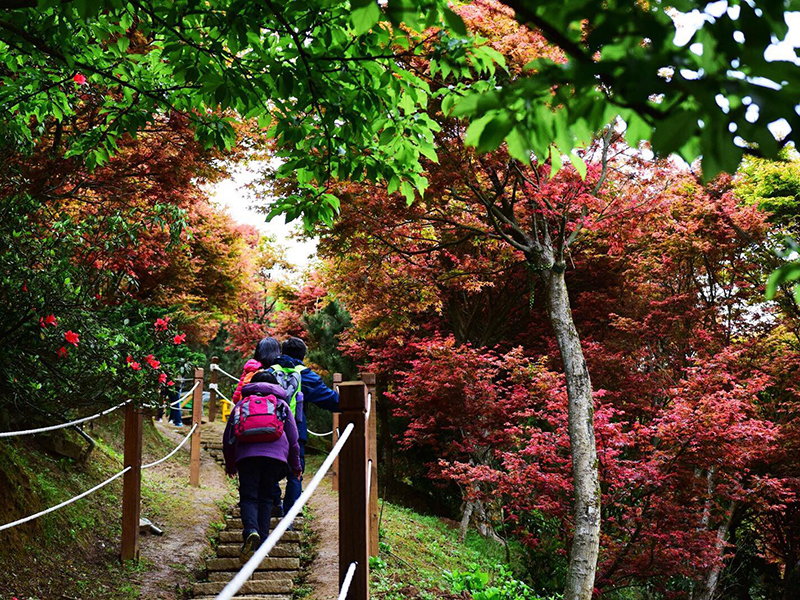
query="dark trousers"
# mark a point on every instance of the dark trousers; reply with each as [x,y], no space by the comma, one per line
[258,476]
[294,485]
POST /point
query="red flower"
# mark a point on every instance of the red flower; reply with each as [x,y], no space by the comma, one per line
[48,320]
[179,339]
[135,366]
[25,287]
[151,360]
[163,378]
[62,352]
[162,324]
[170,382]
[129,359]
[71,337]
[79,78]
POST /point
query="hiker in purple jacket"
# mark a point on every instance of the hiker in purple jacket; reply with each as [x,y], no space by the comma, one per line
[260,465]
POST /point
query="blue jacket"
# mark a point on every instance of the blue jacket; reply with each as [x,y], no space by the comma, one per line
[314,392]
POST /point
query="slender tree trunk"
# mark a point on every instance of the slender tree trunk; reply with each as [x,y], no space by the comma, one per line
[586,540]
[709,586]
[469,506]
[791,579]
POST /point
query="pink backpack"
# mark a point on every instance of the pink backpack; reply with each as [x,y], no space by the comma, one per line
[258,419]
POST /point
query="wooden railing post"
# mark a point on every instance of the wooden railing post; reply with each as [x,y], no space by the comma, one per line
[212,400]
[337,379]
[353,505]
[197,418]
[132,482]
[372,453]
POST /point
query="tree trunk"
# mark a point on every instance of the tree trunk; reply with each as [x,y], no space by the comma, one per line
[709,586]
[586,540]
[469,506]
[791,579]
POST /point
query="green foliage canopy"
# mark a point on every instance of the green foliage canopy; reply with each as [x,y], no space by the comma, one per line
[336,83]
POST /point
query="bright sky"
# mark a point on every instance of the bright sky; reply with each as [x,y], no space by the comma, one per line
[239,202]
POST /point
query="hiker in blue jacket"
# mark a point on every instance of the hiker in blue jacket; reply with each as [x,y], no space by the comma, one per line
[314,392]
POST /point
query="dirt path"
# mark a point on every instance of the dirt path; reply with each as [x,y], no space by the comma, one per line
[324,571]
[184,513]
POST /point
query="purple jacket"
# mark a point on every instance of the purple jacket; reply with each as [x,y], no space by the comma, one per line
[285,449]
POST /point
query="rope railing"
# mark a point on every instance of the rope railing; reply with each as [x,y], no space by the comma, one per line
[247,570]
[62,425]
[185,398]
[98,486]
[215,387]
[348,579]
[66,502]
[174,450]
[319,434]
[216,367]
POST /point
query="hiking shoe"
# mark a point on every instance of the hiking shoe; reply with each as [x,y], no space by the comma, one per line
[277,511]
[251,543]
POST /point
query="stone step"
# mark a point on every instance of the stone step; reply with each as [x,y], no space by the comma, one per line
[236,510]
[236,524]
[257,576]
[268,564]
[279,551]
[251,597]
[212,445]
[229,536]
[281,586]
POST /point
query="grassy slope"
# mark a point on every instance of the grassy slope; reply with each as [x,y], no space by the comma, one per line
[73,552]
[416,550]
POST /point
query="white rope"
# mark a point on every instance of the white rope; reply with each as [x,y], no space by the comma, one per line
[369,478]
[171,454]
[186,395]
[247,570]
[348,579]
[319,434]
[216,367]
[65,503]
[369,405]
[214,386]
[62,425]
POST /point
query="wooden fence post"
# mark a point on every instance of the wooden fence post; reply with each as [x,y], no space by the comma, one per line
[353,505]
[212,400]
[132,482]
[197,418]
[337,379]
[372,449]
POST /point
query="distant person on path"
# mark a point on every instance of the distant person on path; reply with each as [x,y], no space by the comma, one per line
[171,396]
[314,391]
[260,443]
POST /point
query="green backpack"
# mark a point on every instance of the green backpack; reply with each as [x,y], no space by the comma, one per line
[289,378]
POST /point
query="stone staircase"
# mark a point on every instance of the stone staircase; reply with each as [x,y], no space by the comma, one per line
[273,580]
